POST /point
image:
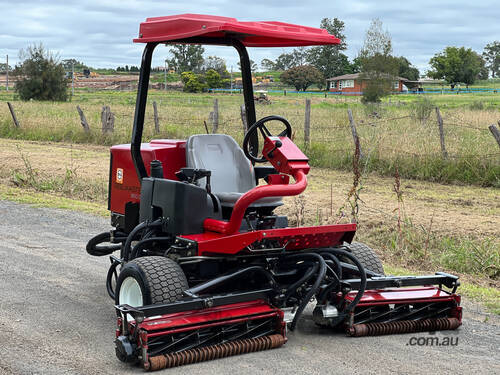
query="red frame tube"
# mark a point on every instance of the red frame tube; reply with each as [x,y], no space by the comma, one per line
[233,225]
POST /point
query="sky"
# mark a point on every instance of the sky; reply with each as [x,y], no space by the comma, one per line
[99,32]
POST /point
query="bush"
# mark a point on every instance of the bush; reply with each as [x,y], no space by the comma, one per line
[40,76]
[193,82]
[422,109]
[213,79]
[377,85]
[477,106]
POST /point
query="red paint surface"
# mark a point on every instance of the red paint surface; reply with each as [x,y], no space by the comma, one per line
[172,154]
[285,159]
[293,238]
[208,317]
[402,295]
[233,225]
[251,34]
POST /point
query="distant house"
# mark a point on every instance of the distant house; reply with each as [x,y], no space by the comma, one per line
[352,84]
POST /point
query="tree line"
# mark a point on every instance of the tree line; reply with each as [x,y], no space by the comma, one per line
[41,75]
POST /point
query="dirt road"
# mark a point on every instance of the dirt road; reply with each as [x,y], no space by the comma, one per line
[56,318]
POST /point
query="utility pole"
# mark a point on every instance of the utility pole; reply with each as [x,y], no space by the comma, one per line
[7,70]
[72,78]
[165,74]
[231,80]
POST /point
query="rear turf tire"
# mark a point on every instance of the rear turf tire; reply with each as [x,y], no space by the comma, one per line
[150,280]
[367,257]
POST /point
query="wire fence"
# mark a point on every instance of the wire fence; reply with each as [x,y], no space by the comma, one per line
[327,133]
[331,133]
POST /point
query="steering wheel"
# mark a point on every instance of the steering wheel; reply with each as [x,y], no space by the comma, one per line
[265,133]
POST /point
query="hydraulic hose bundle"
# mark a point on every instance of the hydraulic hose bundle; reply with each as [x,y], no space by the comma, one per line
[317,271]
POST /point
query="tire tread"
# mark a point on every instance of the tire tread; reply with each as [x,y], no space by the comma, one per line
[165,278]
[367,257]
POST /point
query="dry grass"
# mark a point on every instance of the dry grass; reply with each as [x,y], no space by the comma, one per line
[442,227]
[388,138]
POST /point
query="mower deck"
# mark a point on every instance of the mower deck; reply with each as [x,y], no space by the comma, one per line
[237,328]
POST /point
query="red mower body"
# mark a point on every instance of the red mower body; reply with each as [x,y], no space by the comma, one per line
[208,267]
[124,185]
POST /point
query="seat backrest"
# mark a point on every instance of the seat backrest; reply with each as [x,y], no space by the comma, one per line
[232,172]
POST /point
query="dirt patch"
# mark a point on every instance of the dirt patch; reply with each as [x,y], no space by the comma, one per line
[454,210]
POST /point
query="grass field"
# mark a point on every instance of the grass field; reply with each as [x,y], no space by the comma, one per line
[391,135]
[432,227]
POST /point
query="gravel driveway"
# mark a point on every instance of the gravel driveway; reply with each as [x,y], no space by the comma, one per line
[56,318]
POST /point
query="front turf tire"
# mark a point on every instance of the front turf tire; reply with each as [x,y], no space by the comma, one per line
[150,280]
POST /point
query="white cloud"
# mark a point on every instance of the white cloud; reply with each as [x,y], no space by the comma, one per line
[100,33]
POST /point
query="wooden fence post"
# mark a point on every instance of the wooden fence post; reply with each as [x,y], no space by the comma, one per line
[157,121]
[307,123]
[243,115]
[441,133]
[214,117]
[495,132]
[107,120]
[354,132]
[83,120]
[14,118]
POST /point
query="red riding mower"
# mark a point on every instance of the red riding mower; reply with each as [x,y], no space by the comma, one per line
[206,268]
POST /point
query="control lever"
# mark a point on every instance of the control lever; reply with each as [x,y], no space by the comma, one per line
[192,175]
[277,144]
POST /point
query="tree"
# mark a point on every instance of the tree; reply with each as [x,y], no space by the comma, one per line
[379,68]
[407,70]
[483,69]
[70,64]
[491,55]
[329,60]
[40,75]
[355,65]
[215,63]
[267,65]
[301,77]
[186,58]
[192,82]
[456,65]
[3,67]
[253,65]
[284,62]
[295,58]
[213,79]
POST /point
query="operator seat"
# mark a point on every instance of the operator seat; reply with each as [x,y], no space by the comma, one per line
[232,173]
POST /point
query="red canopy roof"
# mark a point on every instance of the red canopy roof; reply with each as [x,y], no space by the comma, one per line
[252,34]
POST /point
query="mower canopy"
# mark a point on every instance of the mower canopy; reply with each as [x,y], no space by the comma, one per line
[187,27]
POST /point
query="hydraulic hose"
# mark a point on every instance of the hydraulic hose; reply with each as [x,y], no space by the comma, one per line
[362,275]
[314,288]
[307,275]
[142,244]
[94,248]
[125,253]
[334,259]
[194,291]
[109,279]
